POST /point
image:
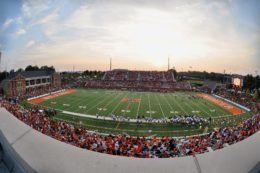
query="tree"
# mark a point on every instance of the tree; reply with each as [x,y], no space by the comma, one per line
[247,92]
[257,82]
[32,68]
[256,94]
[249,82]
[19,70]
[46,68]
[3,75]
[12,71]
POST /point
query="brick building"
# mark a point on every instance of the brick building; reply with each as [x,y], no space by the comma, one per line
[21,83]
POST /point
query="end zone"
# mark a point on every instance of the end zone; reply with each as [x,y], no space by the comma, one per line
[51,96]
[232,109]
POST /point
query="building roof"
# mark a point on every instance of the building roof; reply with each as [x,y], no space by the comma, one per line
[29,74]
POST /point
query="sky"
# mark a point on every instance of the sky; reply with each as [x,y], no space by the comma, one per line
[210,35]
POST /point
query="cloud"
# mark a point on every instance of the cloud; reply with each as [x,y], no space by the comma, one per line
[187,31]
[31,8]
[48,18]
[30,43]
[20,32]
[49,23]
[7,23]
[191,31]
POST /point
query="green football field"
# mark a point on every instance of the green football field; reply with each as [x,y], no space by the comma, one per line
[132,104]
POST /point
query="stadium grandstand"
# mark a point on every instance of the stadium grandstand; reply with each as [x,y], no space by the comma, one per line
[39,121]
[139,81]
[183,94]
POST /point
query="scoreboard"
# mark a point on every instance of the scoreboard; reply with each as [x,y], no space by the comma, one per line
[237,82]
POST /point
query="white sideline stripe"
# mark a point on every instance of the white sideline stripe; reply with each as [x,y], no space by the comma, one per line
[111,119]
[93,116]
[223,116]
[234,103]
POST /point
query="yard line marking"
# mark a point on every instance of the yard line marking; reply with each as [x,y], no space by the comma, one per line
[185,103]
[171,108]
[127,107]
[149,106]
[220,109]
[137,113]
[191,102]
[208,106]
[160,105]
[110,102]
[116,106]
[99,103]
[200,108]
[212,105]
[133,107]
[77,101]
[178,104]
[82,101]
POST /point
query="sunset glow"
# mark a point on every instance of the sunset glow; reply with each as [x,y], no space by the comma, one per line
[207,35]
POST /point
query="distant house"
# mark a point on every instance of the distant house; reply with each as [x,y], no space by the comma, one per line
[20,83]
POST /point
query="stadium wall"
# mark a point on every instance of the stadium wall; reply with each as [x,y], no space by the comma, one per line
[45,154]
[11,160]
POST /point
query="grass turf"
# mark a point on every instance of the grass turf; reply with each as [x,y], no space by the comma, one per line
[131,104]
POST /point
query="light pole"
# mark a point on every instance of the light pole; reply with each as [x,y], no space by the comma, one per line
[256,74]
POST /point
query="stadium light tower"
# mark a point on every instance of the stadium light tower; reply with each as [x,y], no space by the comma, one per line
[168,63]
[110,64]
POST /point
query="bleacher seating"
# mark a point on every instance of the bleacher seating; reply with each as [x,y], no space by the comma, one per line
[139,80]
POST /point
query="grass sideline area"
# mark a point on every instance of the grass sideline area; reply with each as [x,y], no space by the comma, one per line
[135,129]
[131,104]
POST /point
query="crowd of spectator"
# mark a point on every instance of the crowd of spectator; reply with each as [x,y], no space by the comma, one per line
[34,92]
[241,99]
[139,80]
[123,145]
[73,82]
[139,75]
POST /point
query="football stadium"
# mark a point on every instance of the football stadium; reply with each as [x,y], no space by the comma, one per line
[142,113]
[86,87]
